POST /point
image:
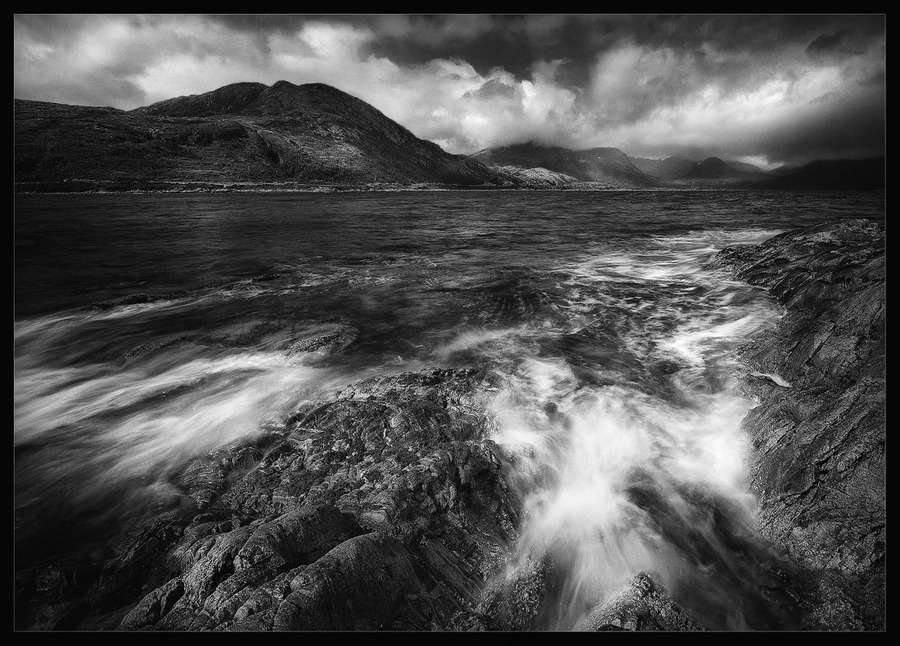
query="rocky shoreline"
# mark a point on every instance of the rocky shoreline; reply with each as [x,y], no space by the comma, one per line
[819,429]
[387,507]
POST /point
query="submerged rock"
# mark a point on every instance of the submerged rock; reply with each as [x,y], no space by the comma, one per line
[818,467]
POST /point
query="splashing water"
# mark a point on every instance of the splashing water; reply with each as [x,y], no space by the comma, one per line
[99,441]
[638,463]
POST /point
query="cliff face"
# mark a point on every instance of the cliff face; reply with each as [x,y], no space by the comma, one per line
[819,428]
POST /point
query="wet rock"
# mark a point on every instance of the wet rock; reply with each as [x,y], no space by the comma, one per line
[514,601]
[152,346]
[383,507]
[642,605]
[130,299]
[52,597]
[512,298]
[138,559]
[324,341]
[154,606]
[356,586]
[298,536]
[818,466]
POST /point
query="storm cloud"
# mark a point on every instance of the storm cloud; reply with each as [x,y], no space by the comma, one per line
[768,89]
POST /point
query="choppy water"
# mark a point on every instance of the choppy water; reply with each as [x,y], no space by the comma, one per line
[152,327]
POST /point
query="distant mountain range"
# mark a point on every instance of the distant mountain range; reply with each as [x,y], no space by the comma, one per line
[613,168]
[601,165]
[249,135]
[675,168]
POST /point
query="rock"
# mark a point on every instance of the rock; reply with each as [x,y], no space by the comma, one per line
[382,507]
[642,605]
[53,597]
[516,601]
[356,586]
[138,558]
[819,465]
[325,341]
[154,606]
[299,536]
[130,299]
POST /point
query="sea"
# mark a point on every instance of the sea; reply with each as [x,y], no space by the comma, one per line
[150,328]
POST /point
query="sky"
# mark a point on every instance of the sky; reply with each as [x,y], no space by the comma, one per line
[765,89]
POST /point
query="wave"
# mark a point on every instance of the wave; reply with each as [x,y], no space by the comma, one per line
[643,469]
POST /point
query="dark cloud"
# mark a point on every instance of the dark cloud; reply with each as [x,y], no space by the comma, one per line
[854,129]
[827,42]
[775,86]
[263,23]
[96,90]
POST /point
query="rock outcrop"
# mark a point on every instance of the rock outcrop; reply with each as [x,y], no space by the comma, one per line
[381,508]
[819,429]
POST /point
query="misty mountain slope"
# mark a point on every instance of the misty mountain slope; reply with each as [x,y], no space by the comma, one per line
[711,170]
[606,165]
[714,168]
[668,168]
[245,132]
[745,167]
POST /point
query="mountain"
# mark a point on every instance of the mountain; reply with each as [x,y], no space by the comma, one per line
[226,100]
[240,133]
[537,177]
[839,174]
[744,167]
[713,168]
[668,168]
[609,166]
[786,169]
[249,135]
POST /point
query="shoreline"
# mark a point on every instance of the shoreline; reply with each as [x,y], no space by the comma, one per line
[353,188]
